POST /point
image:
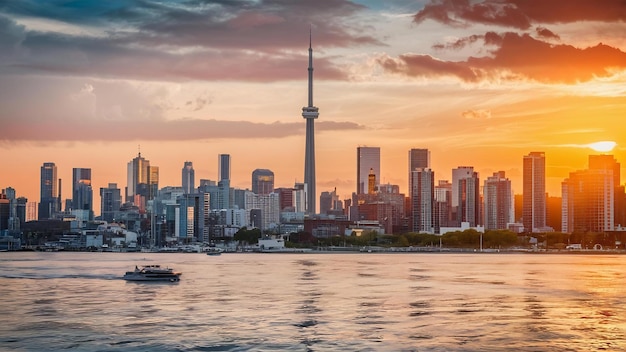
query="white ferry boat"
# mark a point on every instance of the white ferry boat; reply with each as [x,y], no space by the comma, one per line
[152,273]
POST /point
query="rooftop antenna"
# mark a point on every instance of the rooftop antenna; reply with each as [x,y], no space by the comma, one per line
[139,149]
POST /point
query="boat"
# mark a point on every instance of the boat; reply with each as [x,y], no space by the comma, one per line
[214,251]
[152,273]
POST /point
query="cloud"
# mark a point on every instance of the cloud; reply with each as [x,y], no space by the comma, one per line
[480,114]
[520,14]
[260,41]
[428,66]
[160,130]
[546,33]
[548,63]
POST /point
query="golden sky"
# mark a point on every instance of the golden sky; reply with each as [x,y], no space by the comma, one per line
[479,83]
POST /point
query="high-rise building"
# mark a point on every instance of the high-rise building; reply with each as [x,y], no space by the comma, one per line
[188,177]
[466,184]
[286,198]
[534,192]
[608,162]
[82,193]
[442,208]
[262,181]
[5,212]
[153,182]
[143,182]
[367,160]
[137,174]
[588,201]
[372,182]
[20,210]
[110,202]
[422,199]
[49,202]
[419,158]
[264,210]
[498,198]
[310,113]
[224,167]
[330,203]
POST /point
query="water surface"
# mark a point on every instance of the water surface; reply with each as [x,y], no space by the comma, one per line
[314,302]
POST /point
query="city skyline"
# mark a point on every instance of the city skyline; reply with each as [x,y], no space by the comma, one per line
[80,91]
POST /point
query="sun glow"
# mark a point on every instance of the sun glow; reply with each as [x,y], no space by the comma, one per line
[603,146]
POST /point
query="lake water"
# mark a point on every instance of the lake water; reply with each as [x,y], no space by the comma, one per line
[314,302]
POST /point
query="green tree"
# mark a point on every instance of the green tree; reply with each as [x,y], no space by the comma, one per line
[248,236]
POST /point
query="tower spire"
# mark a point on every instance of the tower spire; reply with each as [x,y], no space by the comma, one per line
[310,113]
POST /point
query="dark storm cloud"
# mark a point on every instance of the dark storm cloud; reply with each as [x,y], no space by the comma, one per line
[183,40]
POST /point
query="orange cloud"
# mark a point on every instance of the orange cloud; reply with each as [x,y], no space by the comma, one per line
[521,55]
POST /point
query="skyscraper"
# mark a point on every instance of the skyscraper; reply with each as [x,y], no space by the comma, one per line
[588,201]
[137,174]
[367,159]
[110,202]
[442,207]
[262,181]
[310,113]
[608,162]
[592,199]
[188,174]
[49,200]
[498,202]
[418,158]
[224,167]
[143,181]
[82,193]
[422,197]
[534,192]
[466,193]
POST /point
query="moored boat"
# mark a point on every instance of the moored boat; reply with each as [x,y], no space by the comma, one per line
[214,251]
[152,273]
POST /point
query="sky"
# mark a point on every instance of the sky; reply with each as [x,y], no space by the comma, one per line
[90,83]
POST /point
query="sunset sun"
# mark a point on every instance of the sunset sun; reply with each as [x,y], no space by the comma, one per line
[603,146]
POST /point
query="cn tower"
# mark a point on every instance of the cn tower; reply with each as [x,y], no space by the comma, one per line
[310,113]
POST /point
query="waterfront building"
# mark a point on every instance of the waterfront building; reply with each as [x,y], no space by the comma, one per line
[534,192]
[385,207]
[262,181]
[188,178]
[263,210]
[442,207]
[49,203]
[193,217]
[498,199]
[468,202]
[608,162]
[310,113]
[588,201]
[422,199]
